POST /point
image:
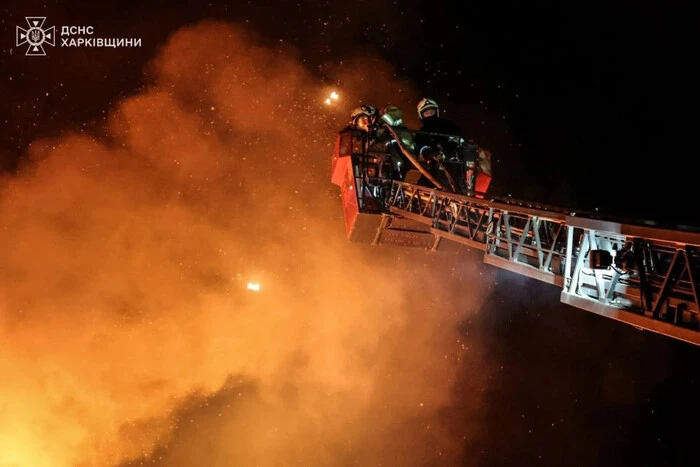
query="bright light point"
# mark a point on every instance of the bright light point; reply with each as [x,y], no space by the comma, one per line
[254,286]
[333,96]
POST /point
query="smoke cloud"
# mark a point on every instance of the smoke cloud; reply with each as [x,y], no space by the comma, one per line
[128,333]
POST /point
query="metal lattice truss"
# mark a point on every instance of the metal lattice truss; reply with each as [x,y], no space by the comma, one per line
[651,284]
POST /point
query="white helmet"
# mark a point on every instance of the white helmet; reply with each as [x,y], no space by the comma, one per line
[364,109]
[427,104]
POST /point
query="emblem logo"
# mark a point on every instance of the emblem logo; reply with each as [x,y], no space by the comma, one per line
[36,36]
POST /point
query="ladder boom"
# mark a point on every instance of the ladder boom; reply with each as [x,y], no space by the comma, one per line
[640,275]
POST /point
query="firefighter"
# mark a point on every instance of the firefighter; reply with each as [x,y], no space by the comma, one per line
[354,137]
[441,144]
[367,120]
[429,113]
[437,133]
[392,116]
[362,118]
[395,163]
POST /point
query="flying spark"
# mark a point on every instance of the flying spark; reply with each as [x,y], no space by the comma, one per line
[254,286]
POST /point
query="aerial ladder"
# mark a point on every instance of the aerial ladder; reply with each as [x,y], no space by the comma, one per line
[630,271]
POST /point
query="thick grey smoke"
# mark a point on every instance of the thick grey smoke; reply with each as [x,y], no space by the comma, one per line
[123,298]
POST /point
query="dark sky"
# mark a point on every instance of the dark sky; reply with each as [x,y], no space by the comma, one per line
[582,105]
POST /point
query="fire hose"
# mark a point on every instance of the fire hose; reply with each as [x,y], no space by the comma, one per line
[409,155]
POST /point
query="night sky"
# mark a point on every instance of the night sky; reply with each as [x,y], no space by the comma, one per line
[583,105]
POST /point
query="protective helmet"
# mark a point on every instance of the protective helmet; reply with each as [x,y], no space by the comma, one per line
[392,115]
[427,104]
[364,109]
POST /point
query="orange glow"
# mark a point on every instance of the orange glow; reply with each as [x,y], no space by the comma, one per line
[122,306]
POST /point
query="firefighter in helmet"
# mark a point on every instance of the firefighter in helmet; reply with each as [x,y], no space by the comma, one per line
[363,118]
[429,113]
[440,146]
[391,123]
[354,137]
